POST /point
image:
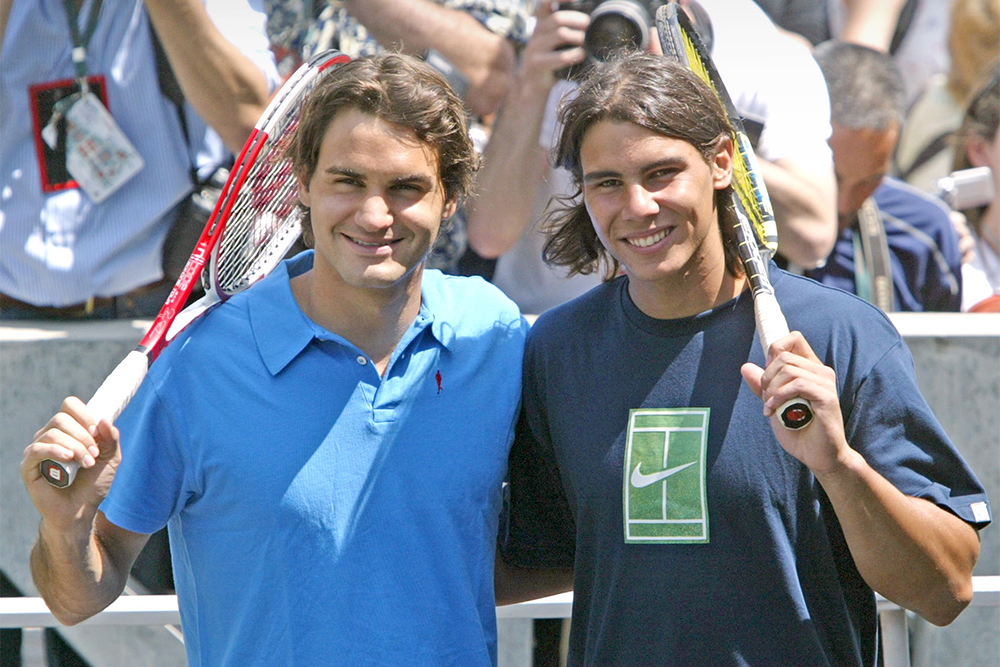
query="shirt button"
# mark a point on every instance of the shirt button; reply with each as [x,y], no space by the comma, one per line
[362,360]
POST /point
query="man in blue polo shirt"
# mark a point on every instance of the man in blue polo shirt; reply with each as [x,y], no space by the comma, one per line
[327,448]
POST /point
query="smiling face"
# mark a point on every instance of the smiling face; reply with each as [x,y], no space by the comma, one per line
[652,202]
[376,202]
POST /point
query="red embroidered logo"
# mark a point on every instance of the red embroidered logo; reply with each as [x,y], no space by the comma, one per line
[437,376]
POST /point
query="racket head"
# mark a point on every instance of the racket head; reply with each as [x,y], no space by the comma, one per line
[260,213]
[680,41]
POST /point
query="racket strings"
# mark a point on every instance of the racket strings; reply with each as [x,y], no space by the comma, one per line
[264,220]
[748,189]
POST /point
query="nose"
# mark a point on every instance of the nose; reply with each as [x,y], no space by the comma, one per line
[373,214]
[639,202]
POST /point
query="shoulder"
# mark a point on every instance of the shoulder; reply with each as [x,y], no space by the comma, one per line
[468,304]
[831,318]
[902,201]
[588,312]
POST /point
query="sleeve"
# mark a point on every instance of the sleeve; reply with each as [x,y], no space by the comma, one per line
[893,427]
[147,489]
[537,528]
[507,18]
[244,23]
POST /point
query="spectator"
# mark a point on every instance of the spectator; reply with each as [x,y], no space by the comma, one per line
[688,517]
[65,252]
[348,511]
[897,246]
[925,151]
[978,145]
[64,255]
[517,181]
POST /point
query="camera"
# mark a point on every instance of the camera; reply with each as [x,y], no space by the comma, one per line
[968,188]
[615,25]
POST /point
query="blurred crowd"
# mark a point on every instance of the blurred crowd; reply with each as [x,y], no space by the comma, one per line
[875,123]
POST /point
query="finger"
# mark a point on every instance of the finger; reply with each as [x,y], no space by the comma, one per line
[108,437]
[794,343]
[751,375]
[57,446]
[66,430]
[654,43]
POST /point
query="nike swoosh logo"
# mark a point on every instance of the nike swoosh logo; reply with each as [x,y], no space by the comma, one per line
[640,480]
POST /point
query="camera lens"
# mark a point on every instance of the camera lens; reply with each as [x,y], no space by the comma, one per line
[617,25]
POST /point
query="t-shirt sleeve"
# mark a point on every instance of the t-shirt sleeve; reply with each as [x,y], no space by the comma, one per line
[893,427]
[147,488]
[537,528]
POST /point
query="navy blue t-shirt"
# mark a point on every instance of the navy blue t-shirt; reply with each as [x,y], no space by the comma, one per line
[643,461]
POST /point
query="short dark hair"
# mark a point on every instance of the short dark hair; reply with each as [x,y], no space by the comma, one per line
[399,89]
[654,93]
[866,88]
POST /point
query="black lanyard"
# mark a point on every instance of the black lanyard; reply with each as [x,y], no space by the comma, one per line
[80,41]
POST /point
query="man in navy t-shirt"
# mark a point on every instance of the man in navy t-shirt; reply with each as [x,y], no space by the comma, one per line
[694,528]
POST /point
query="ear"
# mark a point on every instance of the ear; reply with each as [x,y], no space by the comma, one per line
[722,164]
[303,189]
[450,207]
[978,150]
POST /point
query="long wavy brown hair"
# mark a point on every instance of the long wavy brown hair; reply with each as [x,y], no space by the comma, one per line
[651,92]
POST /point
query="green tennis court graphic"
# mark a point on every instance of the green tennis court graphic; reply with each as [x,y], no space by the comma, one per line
[664,486]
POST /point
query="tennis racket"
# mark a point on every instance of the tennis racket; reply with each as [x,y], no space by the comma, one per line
[254,224]
[756,232]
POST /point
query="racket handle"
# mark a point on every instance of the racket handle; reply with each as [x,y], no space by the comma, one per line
[108,402]
[795,414]
[771,325]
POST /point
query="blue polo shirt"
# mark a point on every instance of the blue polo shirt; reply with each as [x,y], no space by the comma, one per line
[319,513]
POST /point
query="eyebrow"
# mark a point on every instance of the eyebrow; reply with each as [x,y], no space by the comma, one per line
[652,166]
[421,179]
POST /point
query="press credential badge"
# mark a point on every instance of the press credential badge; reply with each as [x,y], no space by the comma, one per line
[98,154]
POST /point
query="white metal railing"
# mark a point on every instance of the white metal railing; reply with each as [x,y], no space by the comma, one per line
[162,610]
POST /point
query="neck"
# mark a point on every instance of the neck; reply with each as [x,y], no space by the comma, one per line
[374,319]
[686,294]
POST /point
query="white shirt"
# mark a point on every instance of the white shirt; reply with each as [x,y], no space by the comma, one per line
[60,248]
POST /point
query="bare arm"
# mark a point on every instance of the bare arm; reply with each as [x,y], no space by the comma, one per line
[81,561]
[514,163]
[872,22]
[804,198]
[225,87]
[515,584]
[486,59]
[911,551]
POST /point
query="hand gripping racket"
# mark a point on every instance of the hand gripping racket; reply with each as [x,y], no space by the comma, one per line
[252,227]
[756,232]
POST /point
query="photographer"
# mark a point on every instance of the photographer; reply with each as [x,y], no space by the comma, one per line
[978,146]
[516,183]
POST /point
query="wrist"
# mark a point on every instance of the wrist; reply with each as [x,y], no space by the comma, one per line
[847,465]
[70,534]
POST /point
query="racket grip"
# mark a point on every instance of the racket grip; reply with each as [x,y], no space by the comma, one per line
[108,402]
[771,325]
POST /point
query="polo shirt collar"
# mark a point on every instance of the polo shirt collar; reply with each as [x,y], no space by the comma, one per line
[282,330]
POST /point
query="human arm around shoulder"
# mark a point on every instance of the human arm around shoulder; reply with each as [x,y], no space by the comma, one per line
[227,89]
[81,561]
[513,584]
[909,549]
